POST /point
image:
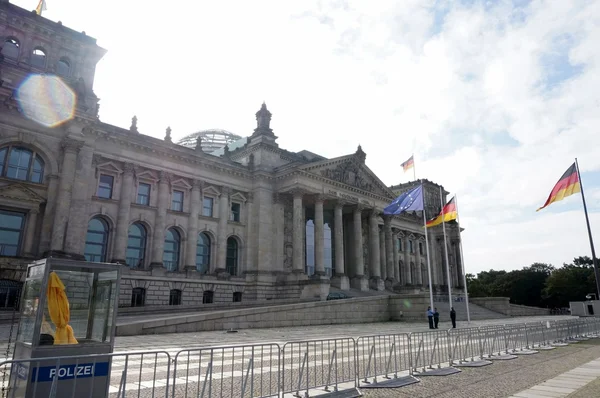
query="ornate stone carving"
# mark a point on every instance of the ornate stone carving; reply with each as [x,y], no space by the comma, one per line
[168,135]
[72,146]
[348,173]
[360,154]
[128,168]
[164,177]
[225,191]
[197,184]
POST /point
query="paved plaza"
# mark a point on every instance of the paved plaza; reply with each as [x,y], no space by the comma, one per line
[518,377]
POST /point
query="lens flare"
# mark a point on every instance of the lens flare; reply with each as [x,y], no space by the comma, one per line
[46,99]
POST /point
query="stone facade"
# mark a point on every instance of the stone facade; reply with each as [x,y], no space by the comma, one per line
[190,227]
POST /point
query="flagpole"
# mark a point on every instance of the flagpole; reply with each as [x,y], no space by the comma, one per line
[427,248]
[446,249]
[462,260]
[587,221]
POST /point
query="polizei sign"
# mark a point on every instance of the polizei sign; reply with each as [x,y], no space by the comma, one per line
[66,372]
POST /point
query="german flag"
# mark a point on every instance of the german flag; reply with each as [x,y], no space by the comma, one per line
[410,163]
[448,213]
[566,186]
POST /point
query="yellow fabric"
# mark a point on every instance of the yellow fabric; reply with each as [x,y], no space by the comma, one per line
[58,308]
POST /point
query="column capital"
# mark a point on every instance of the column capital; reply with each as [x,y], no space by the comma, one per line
[297,193]
[319,198]
[250,197]
[197,184]
[225,191]
[164,177]
[373,212]
[340,204]
[70,145]
[387,221]
[128,168]
[358,208]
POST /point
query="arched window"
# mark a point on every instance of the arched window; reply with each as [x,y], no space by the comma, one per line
[310,248]
[231,265]
[96,241]
[63,67]
[203,253]
[171,251]
[136,245]
[38,58]
[21,164]
[10,48]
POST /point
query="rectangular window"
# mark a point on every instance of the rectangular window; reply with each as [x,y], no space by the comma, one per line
[11,231]
[208,297]
[420,248]
[177,201]
[235,212]
[237,297]
[105,186]
[207,207]
[143,195]
[411,249]
[399,244]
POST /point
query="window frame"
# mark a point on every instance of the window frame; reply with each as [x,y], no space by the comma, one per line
[112,185]
[67,61]
[21,231]
[208,297]
[173,192]
[236,258]
[175,297]
[14,42]
[137,196]
[34,156]
[232,213]
[141,292]
[212,206]
[105,243]
[177,253]
[33,54]
[208,256]
[237,297]
[141,262]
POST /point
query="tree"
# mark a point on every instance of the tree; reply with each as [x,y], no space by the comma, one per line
[572,282]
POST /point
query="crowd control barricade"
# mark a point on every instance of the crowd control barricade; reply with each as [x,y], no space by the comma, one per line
[312,367]
[592,327]
[131,374]
[563,333]
[537,336]
[383,361]
[430,353]
[579,330]
[466,347]
[516,335]
[226,372]
[495,342]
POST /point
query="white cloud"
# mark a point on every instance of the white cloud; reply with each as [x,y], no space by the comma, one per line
[474,96]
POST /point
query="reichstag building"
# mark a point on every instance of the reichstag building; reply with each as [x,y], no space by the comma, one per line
[215,218]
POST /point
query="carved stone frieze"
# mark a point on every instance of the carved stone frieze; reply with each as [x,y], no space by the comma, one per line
[349,173]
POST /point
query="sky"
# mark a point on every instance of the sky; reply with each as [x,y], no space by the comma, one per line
[494,98]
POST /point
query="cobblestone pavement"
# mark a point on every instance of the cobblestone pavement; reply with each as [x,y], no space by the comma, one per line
[502,378]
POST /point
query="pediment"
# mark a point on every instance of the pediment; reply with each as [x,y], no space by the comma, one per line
[349,171]
[180,182]
[110,167]
[20,193]
[238,197]
[211,191]
[147,175]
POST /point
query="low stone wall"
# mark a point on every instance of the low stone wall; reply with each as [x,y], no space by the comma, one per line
[503,306]
[355,310]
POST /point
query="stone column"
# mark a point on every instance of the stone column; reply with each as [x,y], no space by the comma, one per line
[319,237]
[340,280]
[395,256]
[63,203]
[389,251]
[407,273]
[122,231]
[382,255]
[30,246]
[192,241]
[418,277]
[250,247]
[278,233]
[47,222]
[222,230]
[374,257]
[158,239]
[80,204]
[298,235]
[359,281]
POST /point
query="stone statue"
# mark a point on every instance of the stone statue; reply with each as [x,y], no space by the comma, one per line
[133,126]
[168,135]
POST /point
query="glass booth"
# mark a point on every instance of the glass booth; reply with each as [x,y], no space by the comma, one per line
[68,309]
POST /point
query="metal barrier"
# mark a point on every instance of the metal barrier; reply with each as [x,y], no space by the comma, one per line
[466,347]
[231,371]
[384,361]
[495,342]
[328,365]
[516,335]
[430,351]
[538,336]
[131,374]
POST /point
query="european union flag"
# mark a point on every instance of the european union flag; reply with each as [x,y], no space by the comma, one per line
[408,201]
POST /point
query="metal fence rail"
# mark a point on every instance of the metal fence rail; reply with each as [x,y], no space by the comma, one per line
[132,374]
[517,339]
[231,371]
[328,365]
[466,347]
[430,352]
[384,360]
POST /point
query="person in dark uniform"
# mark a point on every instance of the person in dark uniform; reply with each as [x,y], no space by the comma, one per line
[436,318]
[453,317]
[430,317]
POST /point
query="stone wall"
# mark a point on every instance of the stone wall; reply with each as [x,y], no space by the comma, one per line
[410,307]
[13,269]
[503,306]
[356,310]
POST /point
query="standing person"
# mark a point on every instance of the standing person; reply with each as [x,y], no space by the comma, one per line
[436,318]
[430,317]
[453,317]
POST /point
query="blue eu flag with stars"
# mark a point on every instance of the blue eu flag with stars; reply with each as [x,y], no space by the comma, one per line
[408,201]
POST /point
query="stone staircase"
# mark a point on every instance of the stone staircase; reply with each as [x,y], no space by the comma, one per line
[477,312]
